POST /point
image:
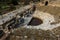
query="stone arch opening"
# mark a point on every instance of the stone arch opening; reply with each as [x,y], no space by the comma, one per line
[46,3]
[35,21]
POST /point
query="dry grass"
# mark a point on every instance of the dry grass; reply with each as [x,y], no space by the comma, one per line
[50,9]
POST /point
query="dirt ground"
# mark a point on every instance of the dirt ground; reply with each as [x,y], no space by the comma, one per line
[33,34]
[54,10]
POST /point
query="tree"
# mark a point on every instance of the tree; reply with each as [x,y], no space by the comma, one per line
[14,2]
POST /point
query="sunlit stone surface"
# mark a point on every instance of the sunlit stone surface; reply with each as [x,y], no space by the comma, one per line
[46,18]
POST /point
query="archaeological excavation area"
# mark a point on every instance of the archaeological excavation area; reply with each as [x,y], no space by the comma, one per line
[31,20]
